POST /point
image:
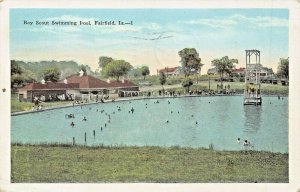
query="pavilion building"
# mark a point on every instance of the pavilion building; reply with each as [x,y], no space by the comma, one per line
[77,87]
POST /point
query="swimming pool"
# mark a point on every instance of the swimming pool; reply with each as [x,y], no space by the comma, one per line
[184,122]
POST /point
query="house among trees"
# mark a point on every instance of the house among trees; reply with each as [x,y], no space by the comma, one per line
[265,73]
[239,72]
[171,71]
[75,87]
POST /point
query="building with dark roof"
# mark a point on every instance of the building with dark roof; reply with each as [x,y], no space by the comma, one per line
[46,91]
[76,87]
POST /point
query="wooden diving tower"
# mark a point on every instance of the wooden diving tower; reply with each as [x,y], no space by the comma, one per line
[252,93]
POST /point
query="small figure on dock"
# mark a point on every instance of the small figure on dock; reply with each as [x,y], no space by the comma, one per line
[84,119]
[278,97]
[72,124]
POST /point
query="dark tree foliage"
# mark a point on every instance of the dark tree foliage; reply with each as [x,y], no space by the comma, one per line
[187,83]
[104,60]
[117,68]
[51,74]
[283,68]
[145,71]
[224,65]
[162,78]
[15,68]
[190,61]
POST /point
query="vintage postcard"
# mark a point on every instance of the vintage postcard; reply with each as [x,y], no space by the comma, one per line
[150,95]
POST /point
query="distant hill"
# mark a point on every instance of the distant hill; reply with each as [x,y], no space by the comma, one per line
[66,68]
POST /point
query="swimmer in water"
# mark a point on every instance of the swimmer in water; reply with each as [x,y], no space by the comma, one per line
[72,124]
[167,121]
[246,143]
[196,122]
[238,140]
[84,119]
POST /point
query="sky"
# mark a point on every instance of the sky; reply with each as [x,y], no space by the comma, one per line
[154,38]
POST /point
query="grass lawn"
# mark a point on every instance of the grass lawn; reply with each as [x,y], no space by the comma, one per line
[54,163]
[266,89]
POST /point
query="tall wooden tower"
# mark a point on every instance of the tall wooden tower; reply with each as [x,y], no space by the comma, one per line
[252,93]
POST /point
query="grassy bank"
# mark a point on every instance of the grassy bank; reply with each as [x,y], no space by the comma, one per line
[266,89]
[42,163]
[17,106]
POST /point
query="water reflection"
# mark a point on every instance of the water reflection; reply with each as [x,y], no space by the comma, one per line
[252,118]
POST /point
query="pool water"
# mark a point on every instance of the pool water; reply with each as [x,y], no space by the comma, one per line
[185,122]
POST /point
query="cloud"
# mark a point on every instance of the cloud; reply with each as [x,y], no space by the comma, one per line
[258,21]
[216,23]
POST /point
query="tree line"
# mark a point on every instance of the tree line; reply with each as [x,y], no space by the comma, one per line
[22,72]
[117,68]
[191,64]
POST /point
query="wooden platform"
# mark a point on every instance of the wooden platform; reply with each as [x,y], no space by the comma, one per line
[253,101]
